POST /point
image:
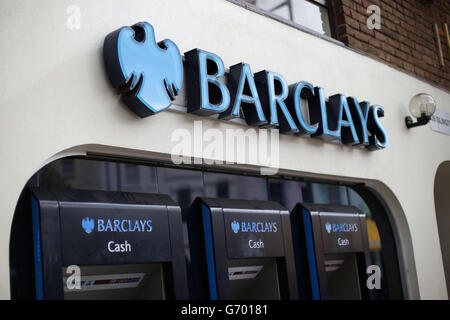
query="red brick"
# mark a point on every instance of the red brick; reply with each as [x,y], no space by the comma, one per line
[406,38]
[359,17]
[353,23]
[361,36]
[380,36]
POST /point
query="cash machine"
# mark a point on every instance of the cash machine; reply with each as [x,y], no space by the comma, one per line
[120,245]
[331,250]
[241,249]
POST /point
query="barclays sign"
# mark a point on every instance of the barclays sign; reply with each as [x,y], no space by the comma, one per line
[341,227]
[149,75]
[116,225]
[254,227]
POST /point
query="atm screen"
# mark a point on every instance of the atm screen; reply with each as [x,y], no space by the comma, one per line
[253,279]
[117,282]
[342,277]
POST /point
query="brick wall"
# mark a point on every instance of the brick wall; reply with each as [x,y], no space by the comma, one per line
[406,38]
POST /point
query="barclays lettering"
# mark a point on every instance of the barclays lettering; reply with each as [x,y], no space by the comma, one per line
[254,227]
[341,227]
[117,225]
[124,225]
[149,75]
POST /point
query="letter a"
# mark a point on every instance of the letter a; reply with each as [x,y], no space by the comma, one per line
[373,281]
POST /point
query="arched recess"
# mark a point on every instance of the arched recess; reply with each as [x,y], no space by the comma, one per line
[442,205]
[375,192]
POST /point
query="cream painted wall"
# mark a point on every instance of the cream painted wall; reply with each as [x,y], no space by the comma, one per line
[54,95]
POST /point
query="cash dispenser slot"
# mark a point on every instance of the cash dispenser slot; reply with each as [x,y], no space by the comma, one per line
[107,245]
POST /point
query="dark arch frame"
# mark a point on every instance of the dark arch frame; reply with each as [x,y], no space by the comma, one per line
[392,276]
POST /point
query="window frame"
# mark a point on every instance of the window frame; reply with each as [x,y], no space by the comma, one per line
[328,4]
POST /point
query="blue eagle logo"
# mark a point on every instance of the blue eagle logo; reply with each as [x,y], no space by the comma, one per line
[235,226]
[88,225]
[328,227]
[149,75]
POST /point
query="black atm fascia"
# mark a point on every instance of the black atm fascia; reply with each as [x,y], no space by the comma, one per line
[214,244]
[320,231]
[60,239]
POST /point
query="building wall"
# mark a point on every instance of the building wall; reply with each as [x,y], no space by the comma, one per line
[56,100]
[406,39]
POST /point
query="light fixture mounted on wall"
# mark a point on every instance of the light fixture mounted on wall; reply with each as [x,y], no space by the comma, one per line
[422,107]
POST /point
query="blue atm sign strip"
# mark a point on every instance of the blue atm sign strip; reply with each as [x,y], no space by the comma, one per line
[206,215]
[37,249]
[311,255]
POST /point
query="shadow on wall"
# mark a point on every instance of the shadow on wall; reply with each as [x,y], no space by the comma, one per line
[442,205]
